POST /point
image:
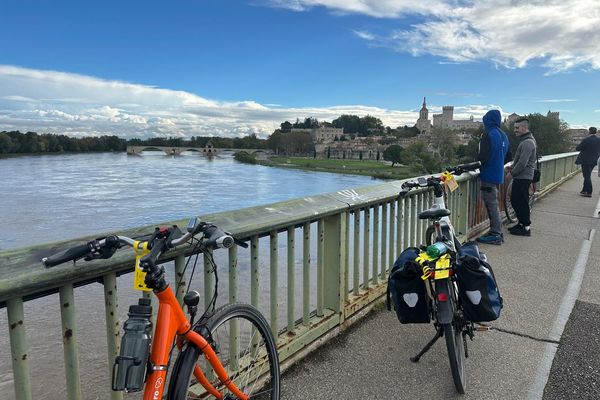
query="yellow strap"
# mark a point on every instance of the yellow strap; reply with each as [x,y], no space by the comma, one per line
[449,181]
[139,275]
[442,267]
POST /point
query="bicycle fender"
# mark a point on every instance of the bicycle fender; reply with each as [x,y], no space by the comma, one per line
[445,313]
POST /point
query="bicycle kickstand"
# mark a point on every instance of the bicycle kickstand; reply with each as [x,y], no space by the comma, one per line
[438,334]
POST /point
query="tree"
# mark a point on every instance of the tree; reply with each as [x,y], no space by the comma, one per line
[5,143]
[393,154]
[444,142]
[286,126]
[550,134]
[419,159]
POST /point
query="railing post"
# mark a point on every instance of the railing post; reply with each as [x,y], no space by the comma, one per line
[291,282]
[113,329]
[274,266]
[234,328]
[254,276]
[320,266]
[384,233]
[356,256]
[366,246]
[376,227]
[18,348]
[347,258]
[69,333]
[180,282]
[462,217]
[392,244]
[209,279]
[306,274]
[335,250]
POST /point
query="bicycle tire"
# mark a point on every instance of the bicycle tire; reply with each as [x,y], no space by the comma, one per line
[431,237]
[182,385]
[511,215]
[455,346]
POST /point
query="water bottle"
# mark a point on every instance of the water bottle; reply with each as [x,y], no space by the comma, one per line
[436,249]
[129,370]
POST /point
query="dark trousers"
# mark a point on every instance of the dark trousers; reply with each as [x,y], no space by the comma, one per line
[519,198]
[586,170]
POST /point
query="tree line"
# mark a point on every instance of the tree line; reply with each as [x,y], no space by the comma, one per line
[15,142]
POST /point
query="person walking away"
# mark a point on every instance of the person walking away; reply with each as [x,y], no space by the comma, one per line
[589,150]
[521,170]
[493,154]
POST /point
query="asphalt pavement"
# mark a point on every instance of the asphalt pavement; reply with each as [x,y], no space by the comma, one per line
[546,343]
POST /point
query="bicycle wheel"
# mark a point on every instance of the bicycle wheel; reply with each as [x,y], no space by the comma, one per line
[431,237]
[243,341]
[455,345]
[511,215]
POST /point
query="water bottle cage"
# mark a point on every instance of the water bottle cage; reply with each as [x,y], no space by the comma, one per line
[117,373]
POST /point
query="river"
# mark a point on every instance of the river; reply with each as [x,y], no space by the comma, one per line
[50,198]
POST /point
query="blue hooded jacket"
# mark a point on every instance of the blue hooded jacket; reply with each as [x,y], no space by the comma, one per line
[493,148]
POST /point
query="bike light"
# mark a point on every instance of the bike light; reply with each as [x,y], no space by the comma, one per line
[442,297]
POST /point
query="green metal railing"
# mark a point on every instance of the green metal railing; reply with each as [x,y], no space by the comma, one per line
[356,234]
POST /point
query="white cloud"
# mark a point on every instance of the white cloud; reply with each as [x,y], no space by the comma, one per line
[365,35]
[556,101]
[559,34]
[45,101]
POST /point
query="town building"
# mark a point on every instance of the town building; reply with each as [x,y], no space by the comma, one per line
[576,136]
[446,120]
[443,120]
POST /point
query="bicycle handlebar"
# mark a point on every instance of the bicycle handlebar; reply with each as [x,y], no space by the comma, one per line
[73,253]
[436,180]
[160,241]
[462,168]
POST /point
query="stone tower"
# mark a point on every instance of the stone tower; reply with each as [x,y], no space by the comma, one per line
[424,113]
[423,124]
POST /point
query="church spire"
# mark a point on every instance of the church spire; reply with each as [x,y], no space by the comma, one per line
[424,103]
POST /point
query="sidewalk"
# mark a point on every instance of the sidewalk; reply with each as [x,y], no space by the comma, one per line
[538,277]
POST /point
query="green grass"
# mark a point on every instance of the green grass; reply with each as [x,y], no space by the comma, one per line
[356,167]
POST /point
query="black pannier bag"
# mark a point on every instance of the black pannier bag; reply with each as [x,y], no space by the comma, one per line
[479,294]
[407,290]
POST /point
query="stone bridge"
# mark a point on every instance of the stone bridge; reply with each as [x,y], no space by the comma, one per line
[208,151]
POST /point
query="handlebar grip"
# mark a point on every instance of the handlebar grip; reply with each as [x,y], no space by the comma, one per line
[67,255]
[216,238]
[467,167]
[149,260]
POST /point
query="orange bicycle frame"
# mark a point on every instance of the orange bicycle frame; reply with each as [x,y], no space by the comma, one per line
[172,321]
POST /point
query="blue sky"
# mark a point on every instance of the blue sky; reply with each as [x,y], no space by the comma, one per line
[229,68]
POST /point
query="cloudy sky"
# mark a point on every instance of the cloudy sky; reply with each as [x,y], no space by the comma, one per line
[233,67]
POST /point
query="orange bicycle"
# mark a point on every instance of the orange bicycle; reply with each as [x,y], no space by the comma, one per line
[235,340]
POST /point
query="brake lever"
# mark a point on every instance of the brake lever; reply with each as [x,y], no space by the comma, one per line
[111,244]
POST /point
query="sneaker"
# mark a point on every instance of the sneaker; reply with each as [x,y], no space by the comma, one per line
[585,194]
[514,227]
[491,238]
[520,230]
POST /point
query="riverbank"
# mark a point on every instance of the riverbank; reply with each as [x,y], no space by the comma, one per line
[375,169]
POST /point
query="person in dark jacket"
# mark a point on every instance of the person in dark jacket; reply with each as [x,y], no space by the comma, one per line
[589,151]
[493,153]
[522,170]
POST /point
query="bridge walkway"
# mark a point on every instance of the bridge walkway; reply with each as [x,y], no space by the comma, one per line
[539,278]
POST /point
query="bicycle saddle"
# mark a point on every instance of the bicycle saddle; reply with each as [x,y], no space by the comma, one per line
[434,212]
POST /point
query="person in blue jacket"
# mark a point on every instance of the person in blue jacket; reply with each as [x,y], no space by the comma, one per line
[494,152]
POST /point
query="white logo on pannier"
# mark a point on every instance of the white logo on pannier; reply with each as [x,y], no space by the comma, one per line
[411,299]
[474,296]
